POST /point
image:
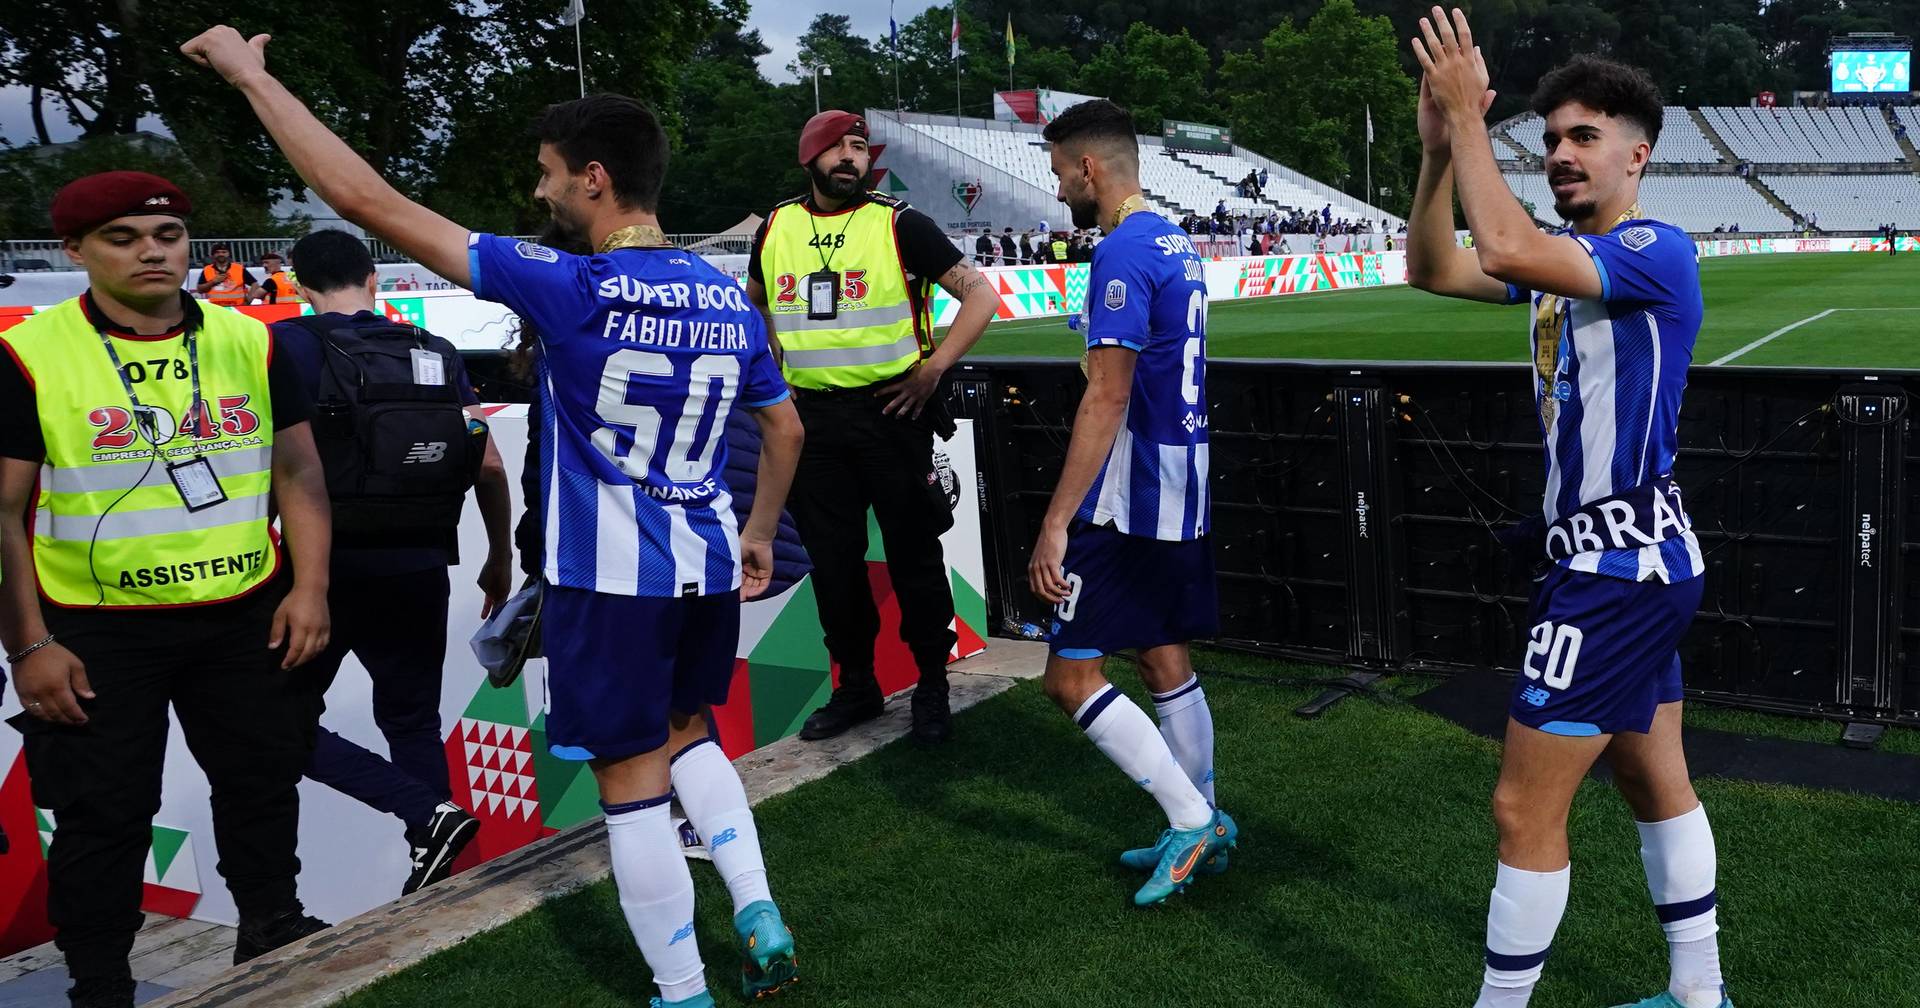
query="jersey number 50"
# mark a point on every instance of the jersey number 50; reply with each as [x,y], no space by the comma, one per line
[685,461]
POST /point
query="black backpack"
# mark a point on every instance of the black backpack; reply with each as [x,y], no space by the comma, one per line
[399,457]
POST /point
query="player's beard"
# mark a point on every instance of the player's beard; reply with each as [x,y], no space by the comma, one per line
[1576,211]
[834,186]
[1085,211]
[564,225]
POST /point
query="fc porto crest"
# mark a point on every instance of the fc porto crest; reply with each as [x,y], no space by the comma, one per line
[968,192]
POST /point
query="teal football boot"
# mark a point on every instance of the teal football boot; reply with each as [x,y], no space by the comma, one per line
[700,1000]
[1180,854]
[767,963]
[1665,999]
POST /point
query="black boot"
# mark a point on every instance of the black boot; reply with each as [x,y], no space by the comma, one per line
[97,992]
[257,938]
[932,718]
[846,708]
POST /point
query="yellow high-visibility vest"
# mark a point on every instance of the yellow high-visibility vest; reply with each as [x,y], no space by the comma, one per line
[109,526]
[875,334]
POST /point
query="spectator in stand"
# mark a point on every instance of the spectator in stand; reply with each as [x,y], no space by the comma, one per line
[1286,246]
[1263,183]
[1009,256]
[1220,209]
[1026,247]
[983,248]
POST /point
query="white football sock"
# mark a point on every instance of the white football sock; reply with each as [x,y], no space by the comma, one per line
[1521,918]
[1680,861]
[1187,725]
[1127,735]
[656,894]
[716,803]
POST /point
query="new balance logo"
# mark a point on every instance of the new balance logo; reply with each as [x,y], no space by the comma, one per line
[723,838]
[425,451]
[1536,696]
[685,932]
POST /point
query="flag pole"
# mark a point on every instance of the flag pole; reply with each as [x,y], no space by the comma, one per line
[580,57]
[1368,201]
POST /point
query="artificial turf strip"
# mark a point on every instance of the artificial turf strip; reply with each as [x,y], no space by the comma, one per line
[983,874]
[1746,299]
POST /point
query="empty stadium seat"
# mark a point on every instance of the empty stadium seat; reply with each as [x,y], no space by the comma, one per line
[1696,203]
[1849,134]
[1681,141]
[1852,202]
[1177,183]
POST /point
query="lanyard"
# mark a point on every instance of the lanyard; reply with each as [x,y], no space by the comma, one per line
[152,428]
[826,258]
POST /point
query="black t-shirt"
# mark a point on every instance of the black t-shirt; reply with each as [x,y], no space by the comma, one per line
[924,250]
[20,436]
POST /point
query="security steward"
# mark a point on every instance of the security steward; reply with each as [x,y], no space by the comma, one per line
[278,286]
[223,281]
[145,441]
[845,277]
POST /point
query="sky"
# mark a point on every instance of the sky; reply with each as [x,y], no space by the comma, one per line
[780,25]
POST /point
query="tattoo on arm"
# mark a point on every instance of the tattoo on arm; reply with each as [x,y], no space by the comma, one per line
[962,280]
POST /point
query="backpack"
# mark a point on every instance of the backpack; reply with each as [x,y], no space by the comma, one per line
[399,457]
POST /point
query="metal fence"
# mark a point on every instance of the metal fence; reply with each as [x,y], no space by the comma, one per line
[1355,505]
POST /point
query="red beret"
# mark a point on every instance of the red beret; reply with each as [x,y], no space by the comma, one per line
[825,129]
[86,203]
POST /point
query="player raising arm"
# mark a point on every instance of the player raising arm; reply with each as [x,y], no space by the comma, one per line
[643,564]
[1616,307]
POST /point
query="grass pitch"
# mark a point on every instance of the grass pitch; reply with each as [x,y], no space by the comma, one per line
[1846,310]
[983,874]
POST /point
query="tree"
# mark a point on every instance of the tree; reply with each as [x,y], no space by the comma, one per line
[1155,75]
[1301,99]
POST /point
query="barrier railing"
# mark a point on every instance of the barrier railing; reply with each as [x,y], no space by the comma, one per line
[1355,504]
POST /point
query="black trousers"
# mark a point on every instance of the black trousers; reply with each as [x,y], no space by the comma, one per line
[857,458]
[248,723]
[396,624]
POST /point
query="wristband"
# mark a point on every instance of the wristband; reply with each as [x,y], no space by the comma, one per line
[14,659]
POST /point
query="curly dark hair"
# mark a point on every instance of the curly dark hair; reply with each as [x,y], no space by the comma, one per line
[1603,85]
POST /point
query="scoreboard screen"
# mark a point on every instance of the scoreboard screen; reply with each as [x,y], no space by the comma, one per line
[1872,72]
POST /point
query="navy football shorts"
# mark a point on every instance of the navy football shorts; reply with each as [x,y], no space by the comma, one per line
[1133,592]
[1603,653]
[618,665]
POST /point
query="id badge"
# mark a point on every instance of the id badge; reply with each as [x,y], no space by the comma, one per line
[199,488]
[823,295]
[428,368]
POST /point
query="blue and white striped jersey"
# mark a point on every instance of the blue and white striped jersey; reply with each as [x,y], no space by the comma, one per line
[644,353]
[1608,377]
[1147,291]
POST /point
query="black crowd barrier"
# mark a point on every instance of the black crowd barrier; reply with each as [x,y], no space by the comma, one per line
[1354,505]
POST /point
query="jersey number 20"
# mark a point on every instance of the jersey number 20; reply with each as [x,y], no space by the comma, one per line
[685,461]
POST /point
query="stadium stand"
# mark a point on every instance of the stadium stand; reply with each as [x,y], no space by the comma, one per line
[1697,203]
[1852,202]
[1909,116]
[1177,182]
[1846,135]
[1681,141]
